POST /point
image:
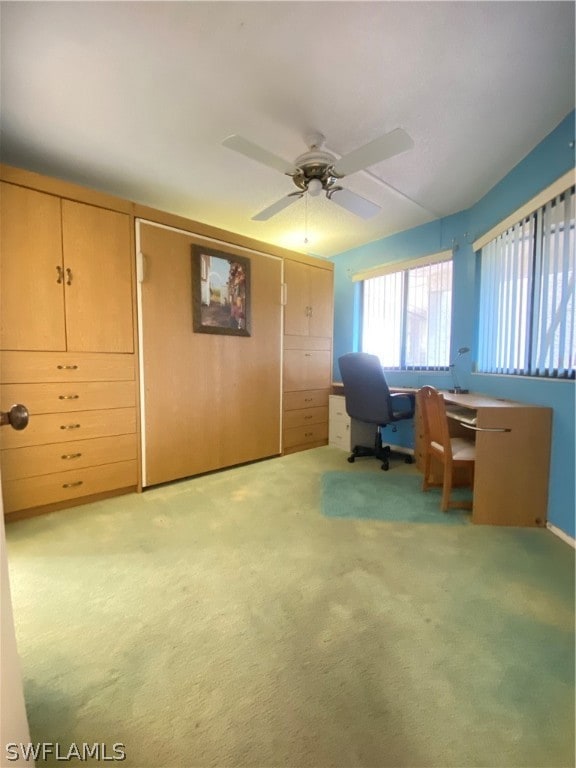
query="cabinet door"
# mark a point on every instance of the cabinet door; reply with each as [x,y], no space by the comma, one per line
[321,290]
[32,289]
[296,277]
[97,261]
[306,369]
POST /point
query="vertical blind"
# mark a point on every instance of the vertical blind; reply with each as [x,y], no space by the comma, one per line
[527,298]
[406,317]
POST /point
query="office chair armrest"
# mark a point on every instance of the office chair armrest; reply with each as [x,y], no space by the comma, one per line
[403,404]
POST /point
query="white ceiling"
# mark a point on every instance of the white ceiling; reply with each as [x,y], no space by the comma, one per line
[135,98]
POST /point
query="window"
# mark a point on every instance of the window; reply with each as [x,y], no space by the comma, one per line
[527,322]
[406,316]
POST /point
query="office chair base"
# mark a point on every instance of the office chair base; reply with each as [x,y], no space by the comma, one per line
[381,452]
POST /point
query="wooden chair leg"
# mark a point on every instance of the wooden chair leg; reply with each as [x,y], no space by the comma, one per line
[426,478]
[446,486]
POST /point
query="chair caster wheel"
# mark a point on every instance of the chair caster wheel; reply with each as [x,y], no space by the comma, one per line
[409,459]
[385,466]
[351,459]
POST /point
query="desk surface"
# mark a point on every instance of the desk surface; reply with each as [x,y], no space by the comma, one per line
[471,400]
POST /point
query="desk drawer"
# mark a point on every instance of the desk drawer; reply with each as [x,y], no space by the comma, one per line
[36,460]
[66,397]
[63,486]
[339,434]
[31,367]
[338,409]
[62,427]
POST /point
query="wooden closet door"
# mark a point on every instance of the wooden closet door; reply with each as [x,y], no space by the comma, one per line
[98,273]
[32,288]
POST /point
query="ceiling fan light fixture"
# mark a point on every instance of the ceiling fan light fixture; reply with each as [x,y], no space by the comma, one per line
[314,187]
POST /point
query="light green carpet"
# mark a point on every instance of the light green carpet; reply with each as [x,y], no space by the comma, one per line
[224,621]
[397,498]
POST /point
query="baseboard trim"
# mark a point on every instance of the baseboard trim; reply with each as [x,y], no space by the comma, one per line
[561,535]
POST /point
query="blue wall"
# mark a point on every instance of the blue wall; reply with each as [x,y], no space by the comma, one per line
[550,159]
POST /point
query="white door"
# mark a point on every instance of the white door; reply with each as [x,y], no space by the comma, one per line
[13,720]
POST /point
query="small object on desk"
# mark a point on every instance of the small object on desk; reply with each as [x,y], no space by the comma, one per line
[457,389]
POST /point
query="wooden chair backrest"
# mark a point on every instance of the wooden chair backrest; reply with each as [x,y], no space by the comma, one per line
[433,414]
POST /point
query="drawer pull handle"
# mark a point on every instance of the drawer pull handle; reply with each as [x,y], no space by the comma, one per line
[70,456]
[73,485]
[59,275]
[68,276]
[307,354]
[68,397]
[308,434]
[67,367]
[307,418]
[70,426]
[308,399]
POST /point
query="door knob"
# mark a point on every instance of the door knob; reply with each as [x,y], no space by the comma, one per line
[17,417]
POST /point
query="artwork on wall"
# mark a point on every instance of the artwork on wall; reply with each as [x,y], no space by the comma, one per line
[220,292]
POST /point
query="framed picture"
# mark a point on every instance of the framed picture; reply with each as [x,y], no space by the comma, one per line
[220,292]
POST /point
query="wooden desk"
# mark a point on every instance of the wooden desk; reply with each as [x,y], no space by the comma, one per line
[512,457]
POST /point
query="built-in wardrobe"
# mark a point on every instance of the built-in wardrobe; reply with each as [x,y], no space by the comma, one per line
[99,343]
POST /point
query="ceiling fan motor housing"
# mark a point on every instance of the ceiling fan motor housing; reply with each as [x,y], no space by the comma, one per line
[315,164]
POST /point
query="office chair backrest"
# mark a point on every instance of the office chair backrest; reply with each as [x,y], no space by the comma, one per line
[365,389]
[433,413]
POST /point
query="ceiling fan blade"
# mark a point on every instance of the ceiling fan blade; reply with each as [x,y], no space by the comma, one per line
[354,203]
[374,152]
[278,206]
[254,152]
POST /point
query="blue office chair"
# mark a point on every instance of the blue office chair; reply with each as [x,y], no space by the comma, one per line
[369,400]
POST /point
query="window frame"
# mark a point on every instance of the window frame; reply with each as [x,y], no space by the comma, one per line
[404,268]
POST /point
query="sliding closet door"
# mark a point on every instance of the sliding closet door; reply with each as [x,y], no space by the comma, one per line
[209,401]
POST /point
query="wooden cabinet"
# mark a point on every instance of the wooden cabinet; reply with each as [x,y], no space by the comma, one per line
[66,274]
[81,439]
[308,310]
[305,420]
[307,362]
[32,285]
[67,341]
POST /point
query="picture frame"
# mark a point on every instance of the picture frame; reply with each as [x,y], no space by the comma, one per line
[220,292]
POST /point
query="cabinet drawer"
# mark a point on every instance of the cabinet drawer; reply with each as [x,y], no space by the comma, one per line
[311,398]
[305,416]
[32,367]
[61,486]
[339,434]
[62,428]
[66,397]
[314,433]
[306,369]
[338,409]
[35,460]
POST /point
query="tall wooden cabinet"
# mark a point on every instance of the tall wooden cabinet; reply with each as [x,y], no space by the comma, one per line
[308,328]
[66,274]
[67,348]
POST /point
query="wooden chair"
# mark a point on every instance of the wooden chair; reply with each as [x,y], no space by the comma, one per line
[451,452]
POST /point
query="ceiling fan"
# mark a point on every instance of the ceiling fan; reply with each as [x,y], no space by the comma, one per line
[318,170]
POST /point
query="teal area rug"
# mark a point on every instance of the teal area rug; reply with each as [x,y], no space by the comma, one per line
[386,496]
